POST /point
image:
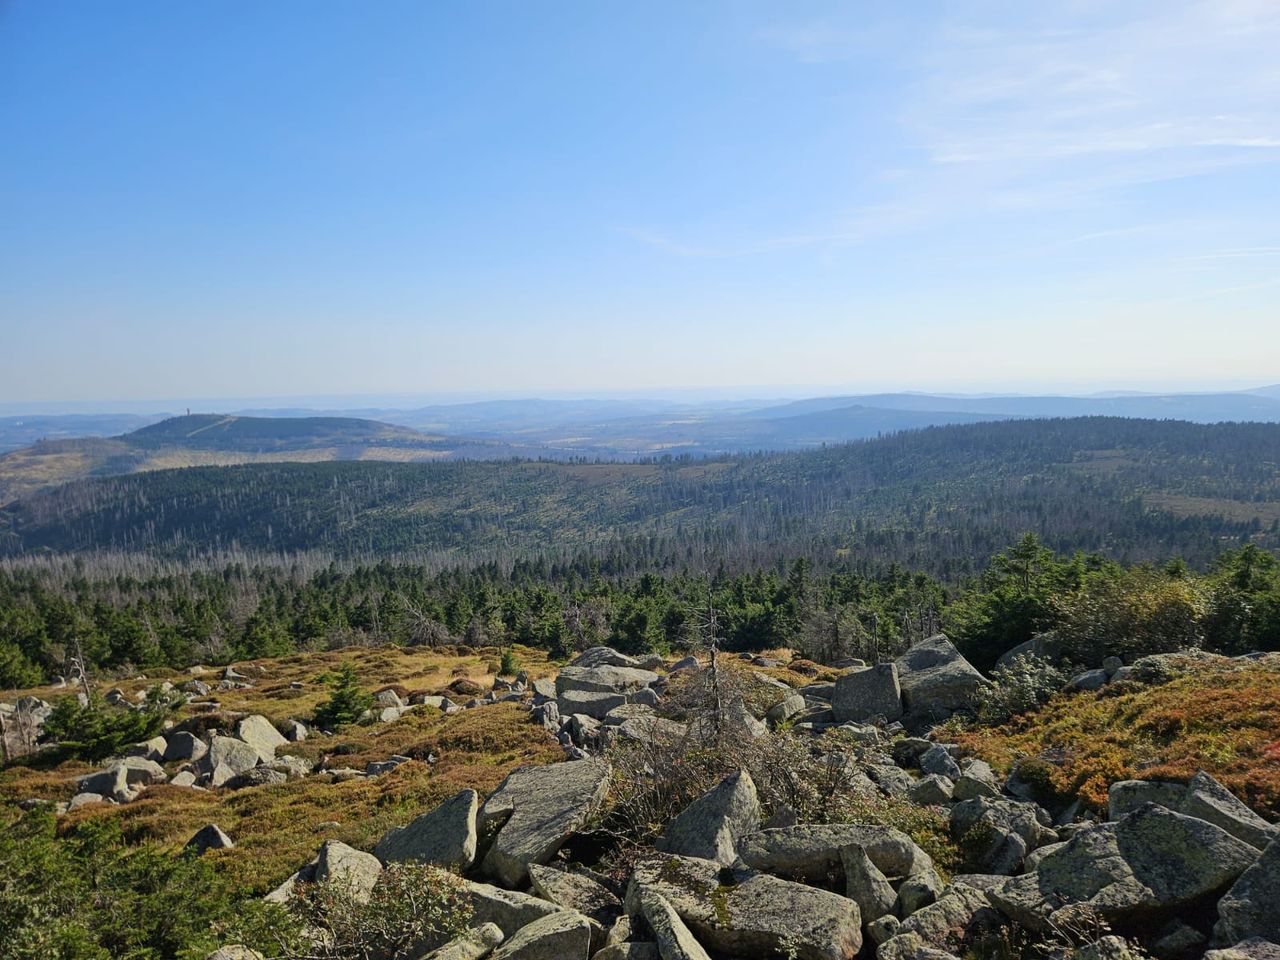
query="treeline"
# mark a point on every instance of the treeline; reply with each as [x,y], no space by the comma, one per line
[940,500]
[1091,605]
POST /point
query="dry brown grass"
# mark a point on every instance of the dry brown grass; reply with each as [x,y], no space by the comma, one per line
[1223,717]
[276,829]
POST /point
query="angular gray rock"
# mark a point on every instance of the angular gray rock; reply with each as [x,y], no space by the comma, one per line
[785,709]
[911,946]
[1209,800]
[976,779]
[506,909]
[811,852]
[744,913]
[950,920]
[865,885]
[863,694]
[257,777]
[153,749]
[563,935]
[1202,797]
[1252,949]
[122,779]
[590,704]
[234,754]
[933,790]
[184,746]
[475,944]
[918,891]
[1089,680]
[337,862]
[534,810]
[674,940]
[1005,829]
[938,760]
[602,657]
[604,679]
[259,733]
[631,950]
[1126,796]
[711,826]
[575,891]
[936,681]
[1251,908]
[209,837]
[1151,862]
[445,835]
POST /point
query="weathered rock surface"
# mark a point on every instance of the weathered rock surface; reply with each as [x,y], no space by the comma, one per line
[936,681]
[580,893]
[590,704]
[1202,797]
[602,657]
[339,862]
[534,810]
[865,885]
[744,913]
[946,923]
[631,950]
[1252,949]
[863,694]
[259,733]
[475,944]
[674,939]
[233,754]
[1153,861]
[184,746]
[257,777]
[506,909]
[712,825]
[445,836]
[209,837]
[563,935]
[811,852]
[604,679]
[1251,908]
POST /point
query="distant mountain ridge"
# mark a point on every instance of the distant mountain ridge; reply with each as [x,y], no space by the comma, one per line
[556,429]
[935,498]
[212,431]
[226,440]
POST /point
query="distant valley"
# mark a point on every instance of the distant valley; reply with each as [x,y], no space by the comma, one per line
[41,452]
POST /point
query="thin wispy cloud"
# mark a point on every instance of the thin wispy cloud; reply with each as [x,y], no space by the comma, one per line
[1053,108]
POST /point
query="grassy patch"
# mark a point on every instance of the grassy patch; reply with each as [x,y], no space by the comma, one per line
[278,828]
[1223,717]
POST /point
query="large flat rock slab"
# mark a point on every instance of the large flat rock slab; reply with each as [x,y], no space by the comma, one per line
[712,825]
[743,913]
[445,836]
[811,851]
[604,679]
[936,681]
[535,810]
[1152,862]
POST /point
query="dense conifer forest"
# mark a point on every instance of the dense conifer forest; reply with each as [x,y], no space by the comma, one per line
[942,499]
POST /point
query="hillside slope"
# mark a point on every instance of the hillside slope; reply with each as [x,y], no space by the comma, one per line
[941,499]
[216,440]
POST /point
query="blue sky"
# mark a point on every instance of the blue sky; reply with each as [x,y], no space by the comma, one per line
[285,198]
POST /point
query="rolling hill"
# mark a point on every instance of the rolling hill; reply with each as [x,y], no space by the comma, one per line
[218,440]
[937,499]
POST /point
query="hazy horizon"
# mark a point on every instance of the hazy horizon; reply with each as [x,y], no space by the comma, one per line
[280,200]
[763,393]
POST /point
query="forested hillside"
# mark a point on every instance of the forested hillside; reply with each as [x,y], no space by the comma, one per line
[942,499]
